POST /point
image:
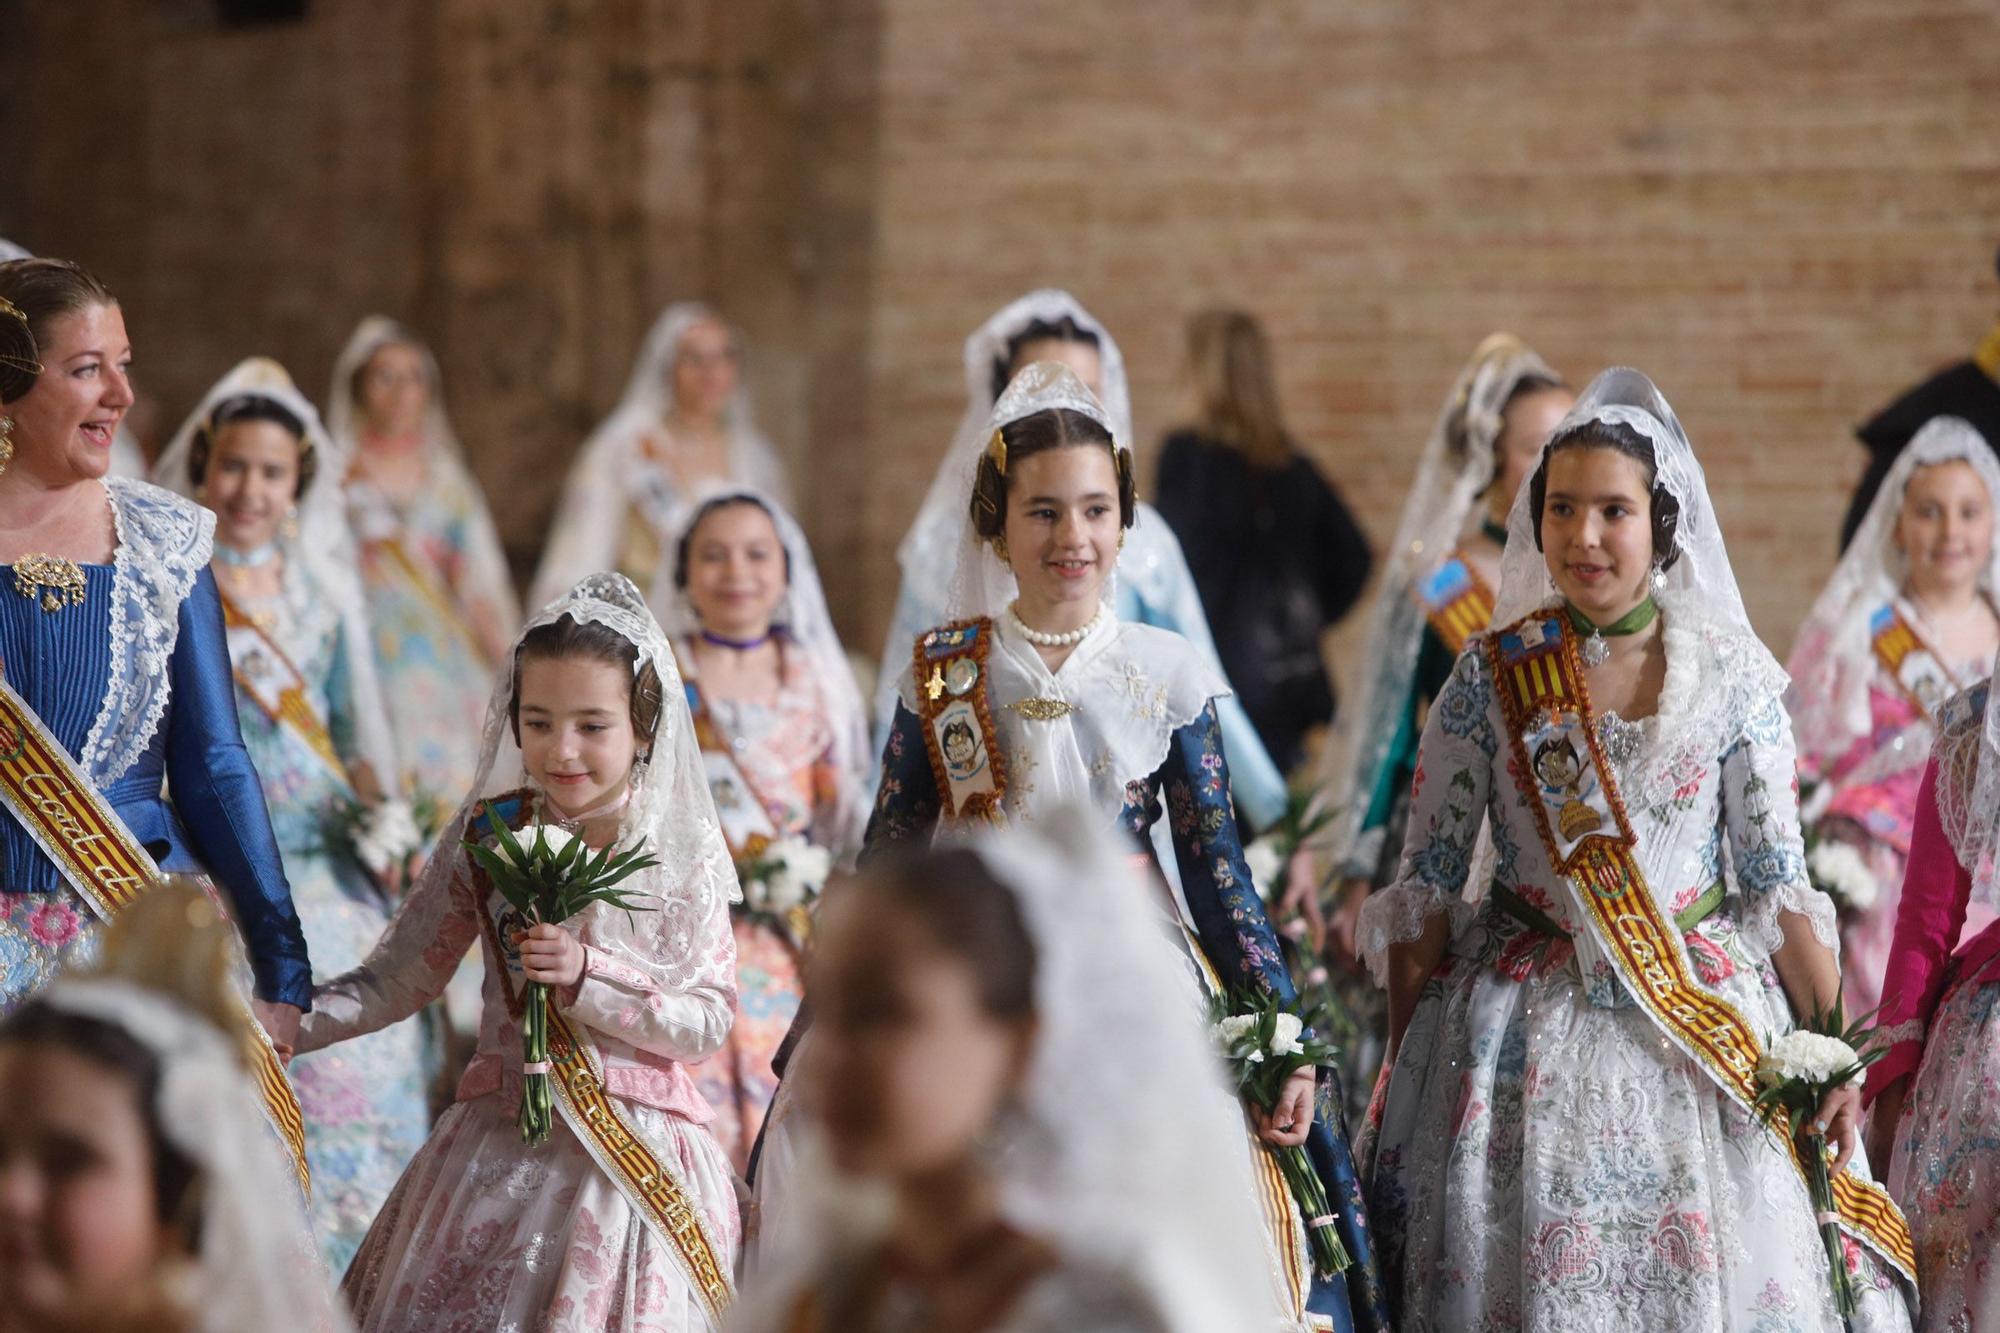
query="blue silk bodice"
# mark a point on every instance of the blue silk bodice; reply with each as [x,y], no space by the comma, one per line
[216,822]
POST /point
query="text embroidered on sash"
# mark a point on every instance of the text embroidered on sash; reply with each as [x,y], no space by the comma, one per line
[70,820]
[1538,678]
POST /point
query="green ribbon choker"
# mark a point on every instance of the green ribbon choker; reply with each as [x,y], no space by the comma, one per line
[1640,616]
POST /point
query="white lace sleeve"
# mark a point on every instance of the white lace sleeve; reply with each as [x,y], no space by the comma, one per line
[1760,812]
[1448,802]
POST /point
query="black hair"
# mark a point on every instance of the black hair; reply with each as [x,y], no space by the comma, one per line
[1622,439]
[1062,329]
[567,637]
[252,407]
[709,507]
[176,1179]
[1051,428]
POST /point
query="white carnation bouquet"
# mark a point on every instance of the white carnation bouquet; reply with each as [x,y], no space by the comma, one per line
[781,879]
[389,837]
[1263,1044]
[1838,869]
[1795,1073]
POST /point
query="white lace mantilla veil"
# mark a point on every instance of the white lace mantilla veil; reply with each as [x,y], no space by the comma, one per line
[323,546]
[1128,1151]
[929,552]
[1707,703]
[444,453]
[980,584]
[809,625]
[584,535]
[1451,478]
[1834,662]
[1719,673]
[689,892]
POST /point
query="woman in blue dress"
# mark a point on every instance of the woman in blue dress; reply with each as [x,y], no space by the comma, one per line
[111,633]
[1038,697]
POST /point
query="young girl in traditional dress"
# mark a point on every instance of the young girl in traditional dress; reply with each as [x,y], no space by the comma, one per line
[1933,1116]
[1155,586]
[1562,1146]
[440,598]
[784,737]
[684,421]
[969,1001]
[625,1216]
[318,734]
[1072,707]
[1436,592]
[1907,621]
[143,1191]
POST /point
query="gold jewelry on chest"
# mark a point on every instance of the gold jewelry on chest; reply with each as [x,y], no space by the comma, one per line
[1043,710]
[57,583]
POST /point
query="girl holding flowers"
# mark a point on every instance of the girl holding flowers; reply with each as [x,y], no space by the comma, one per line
[1906,621]
[624,1217]
[784,739]
[1037,697]
[1569,1136]
[317,730]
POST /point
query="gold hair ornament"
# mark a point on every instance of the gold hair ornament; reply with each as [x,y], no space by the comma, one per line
[23,364]
[996,450]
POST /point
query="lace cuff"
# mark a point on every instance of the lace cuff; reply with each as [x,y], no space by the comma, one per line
[1396,915]
[1363,855]
[1761,923]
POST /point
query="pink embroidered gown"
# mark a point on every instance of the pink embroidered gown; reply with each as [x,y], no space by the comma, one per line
[1941,1019]
[785,749]
[484,1233]
[1874,807]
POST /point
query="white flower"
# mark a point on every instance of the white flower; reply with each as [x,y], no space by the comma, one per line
[1234,1029]
[1285,1035]
[553,838]
[1811,1057]
[799,873]
[1839,869]
[386,836]
[1266,866]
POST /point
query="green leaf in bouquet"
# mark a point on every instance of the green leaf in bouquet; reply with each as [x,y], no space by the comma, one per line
[505,836]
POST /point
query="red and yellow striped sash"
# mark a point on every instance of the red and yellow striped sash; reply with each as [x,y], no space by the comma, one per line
[1537,674]
[72,822]
[1456,602]
[647,1183]
[291,707]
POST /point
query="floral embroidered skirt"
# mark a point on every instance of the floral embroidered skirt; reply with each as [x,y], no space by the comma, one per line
[738,1080]
[1946,1170]
[1548,1164]
[484,1233]
[41,934]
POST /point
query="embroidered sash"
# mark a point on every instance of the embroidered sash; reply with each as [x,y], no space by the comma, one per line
[747,824]
[1915,667]
[70,820]
[1456,602]
[278,688]
[650,1185]
[1570,790]
[391,550]
[964,748]
[576,1071]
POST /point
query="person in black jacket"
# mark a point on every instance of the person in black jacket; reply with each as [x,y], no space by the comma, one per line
[1969,389]
[1275,552]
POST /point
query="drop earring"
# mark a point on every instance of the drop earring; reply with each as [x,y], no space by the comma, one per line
[1657,580]
[6,443]
[291,524]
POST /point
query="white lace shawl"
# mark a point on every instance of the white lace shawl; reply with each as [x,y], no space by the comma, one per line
[164,542]
[1131,687]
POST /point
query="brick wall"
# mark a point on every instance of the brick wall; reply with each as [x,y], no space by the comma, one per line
[1784,211]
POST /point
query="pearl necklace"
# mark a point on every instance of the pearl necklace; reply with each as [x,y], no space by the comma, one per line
[254,558]
[1044,639]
